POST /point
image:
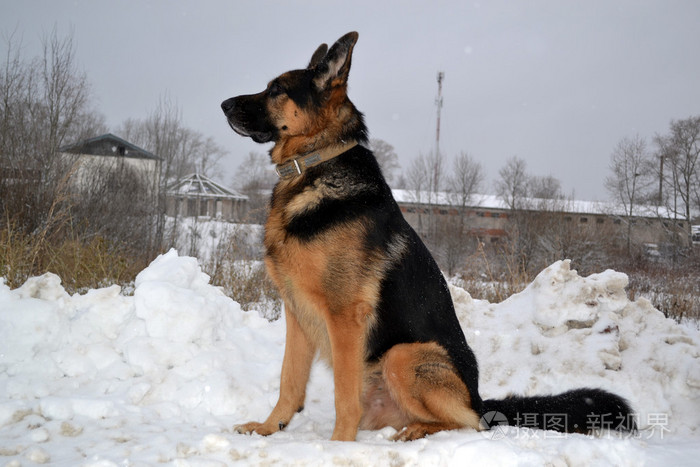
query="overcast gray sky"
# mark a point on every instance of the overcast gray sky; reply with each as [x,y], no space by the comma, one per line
[557,83]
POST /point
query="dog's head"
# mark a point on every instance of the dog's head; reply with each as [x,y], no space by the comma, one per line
[301,110]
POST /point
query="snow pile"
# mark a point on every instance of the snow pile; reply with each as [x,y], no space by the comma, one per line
[565,331]
[103,379]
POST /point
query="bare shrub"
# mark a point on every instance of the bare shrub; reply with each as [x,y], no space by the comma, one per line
[675,291]
[236,266]
[493,273]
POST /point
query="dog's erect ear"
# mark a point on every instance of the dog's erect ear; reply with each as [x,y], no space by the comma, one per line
[318,55]
[333,70]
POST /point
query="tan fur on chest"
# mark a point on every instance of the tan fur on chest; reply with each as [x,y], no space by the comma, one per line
[332,274]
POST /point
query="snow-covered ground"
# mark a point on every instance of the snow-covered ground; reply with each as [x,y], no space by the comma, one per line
[160,377]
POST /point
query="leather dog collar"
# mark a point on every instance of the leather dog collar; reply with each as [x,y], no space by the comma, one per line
[300,164]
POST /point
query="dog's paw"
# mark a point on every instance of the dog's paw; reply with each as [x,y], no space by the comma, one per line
[408,435]
[416,431]
[256,427]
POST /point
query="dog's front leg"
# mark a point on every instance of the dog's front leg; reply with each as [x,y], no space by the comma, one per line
[347,335]
[296,366]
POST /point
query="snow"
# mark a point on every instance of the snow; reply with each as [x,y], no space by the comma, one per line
[161,377]
[204,237]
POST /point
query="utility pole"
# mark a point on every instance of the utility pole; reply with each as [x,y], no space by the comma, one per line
[438,159]
[661,179]
[438,102]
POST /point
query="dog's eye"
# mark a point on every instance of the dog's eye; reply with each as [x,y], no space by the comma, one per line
[275,90]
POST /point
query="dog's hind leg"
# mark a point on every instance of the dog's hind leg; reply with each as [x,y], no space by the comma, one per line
[427,389]
[296,366]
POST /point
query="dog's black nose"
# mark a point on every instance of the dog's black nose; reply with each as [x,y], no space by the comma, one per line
[227,105]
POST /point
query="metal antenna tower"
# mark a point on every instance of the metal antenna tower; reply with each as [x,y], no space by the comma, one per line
[438,102]
[437,159]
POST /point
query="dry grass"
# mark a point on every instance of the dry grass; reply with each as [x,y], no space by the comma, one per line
[50,235]
[90,262]
[673,291]
[81,264]
[247,283]
[240,272]
[493,276]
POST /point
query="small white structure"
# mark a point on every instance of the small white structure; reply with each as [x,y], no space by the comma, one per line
[198,196]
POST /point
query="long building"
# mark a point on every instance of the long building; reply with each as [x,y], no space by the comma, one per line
[488,217]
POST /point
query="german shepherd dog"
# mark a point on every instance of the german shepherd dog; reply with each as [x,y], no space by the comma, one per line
[359,286]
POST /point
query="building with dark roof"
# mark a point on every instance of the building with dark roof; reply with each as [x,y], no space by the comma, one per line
[95,158]
[109,145]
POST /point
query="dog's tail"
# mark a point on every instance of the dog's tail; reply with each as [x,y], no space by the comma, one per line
[576,411]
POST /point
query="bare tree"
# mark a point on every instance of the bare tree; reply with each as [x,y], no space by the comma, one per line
[464,181]
[417,178]
[208,155]
[65,90]
[632,172]
[513,183]
[545,193]
[182,149]
[512,187]
[435,163]
[632,177]
[255,178]
[116,202]
[679,153]
[537,231]
[14,83]
[45,104]
[386,156]
[545,187]
[424,181]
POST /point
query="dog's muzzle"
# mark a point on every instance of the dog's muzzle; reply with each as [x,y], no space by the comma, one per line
[239,118]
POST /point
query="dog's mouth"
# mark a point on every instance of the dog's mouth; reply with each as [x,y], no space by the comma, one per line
[238,129]
[257,136]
